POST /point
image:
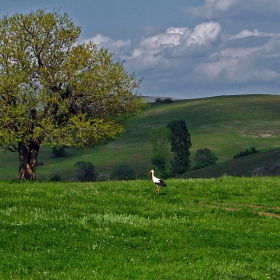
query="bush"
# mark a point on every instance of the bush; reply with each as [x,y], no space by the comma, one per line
[86,171]
[204,157]
[158,99]
[247,152]
[163,100]
[122,172]
[55,178]
[59,152]
[158,161]
[167,100]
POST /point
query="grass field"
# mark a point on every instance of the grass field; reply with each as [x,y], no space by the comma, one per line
[226,125]
[224,228]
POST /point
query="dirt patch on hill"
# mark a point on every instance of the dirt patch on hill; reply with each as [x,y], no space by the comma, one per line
[235,207]
[259,133]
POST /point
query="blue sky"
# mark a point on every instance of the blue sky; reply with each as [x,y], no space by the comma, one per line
[184,49]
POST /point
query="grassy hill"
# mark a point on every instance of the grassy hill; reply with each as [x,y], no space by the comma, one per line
[226,125]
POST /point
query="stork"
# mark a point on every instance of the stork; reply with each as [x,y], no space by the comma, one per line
[158,182]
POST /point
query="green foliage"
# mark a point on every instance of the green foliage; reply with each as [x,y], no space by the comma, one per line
[222,131]
[247,152]
[55,91]
[122,172]
[163,100]
[180,145]
[204,157]
[86,171]
[59,152]
[159,162]
[55,178]
[160,140]
[225,228]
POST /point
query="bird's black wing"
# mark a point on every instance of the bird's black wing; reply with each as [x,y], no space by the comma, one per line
[161,183]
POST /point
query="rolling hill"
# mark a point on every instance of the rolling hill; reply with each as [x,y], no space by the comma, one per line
[225,124]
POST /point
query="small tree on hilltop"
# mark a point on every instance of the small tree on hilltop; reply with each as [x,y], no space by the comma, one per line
[180,145]
[53,90]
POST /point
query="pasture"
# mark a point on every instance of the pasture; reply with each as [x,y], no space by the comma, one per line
[226,125]
[223,228]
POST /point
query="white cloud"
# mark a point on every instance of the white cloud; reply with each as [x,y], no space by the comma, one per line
[117,46]
[242,65]
[271,49]
[181,58]
[158,50]
[235,66]
[214,9]
[247,33]
[203,34]
[171,37]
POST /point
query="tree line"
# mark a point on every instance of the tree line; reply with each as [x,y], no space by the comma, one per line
[171,150]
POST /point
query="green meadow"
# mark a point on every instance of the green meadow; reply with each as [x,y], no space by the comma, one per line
[226,125]
[223,228]
[213,223]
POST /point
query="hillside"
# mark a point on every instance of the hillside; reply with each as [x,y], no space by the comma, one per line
[226,125]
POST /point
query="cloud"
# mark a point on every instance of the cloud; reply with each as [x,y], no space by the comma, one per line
[215,9]
[117,46]
[247,33]
[160,49]
[249,61]
[182,61]
[211,8]
[203,34]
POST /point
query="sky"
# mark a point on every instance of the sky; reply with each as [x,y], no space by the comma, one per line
[181,48]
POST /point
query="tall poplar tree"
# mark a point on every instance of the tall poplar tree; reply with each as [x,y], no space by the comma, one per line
[54,90]
[180,145]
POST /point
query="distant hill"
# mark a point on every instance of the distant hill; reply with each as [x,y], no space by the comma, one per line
[266,163]
[226,125]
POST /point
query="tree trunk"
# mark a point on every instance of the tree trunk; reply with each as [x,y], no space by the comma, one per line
[27,160]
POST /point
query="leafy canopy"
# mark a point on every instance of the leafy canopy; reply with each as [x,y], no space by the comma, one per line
[180,144]
[54,90]
[204,157]
[160,140]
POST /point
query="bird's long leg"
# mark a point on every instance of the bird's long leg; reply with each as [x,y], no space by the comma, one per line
[158,190]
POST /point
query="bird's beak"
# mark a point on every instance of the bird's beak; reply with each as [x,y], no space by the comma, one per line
[149,172]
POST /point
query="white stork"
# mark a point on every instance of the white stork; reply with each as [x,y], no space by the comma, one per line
[158,182]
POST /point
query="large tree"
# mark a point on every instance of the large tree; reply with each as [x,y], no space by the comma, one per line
[54,90]
[180,145]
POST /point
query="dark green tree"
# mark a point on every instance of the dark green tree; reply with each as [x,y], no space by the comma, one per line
[159,162]
[180,145]
[86,171]
[204,157]
[59,152]
[247,152]
[56,91]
